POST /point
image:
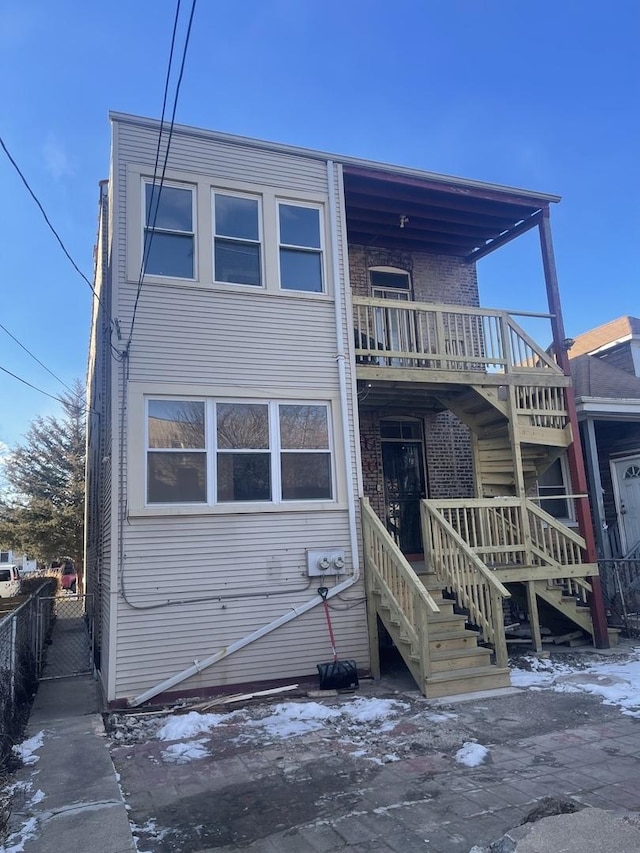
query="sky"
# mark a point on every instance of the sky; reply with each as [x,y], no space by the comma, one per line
[540,94]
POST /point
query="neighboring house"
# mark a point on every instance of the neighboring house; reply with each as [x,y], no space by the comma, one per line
[605,366]
[303,391]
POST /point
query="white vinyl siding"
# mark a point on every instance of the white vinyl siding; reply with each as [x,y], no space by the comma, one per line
[225,342]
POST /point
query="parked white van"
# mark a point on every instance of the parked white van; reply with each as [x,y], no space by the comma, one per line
[9,581]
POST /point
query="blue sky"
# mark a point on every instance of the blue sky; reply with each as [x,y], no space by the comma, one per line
[541,94]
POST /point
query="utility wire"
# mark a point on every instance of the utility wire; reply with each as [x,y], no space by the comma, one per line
[35,358]
[48,221]
[35,387]
[166,155]
[46,393]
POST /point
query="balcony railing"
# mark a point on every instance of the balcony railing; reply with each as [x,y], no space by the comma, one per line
[514,537]
[390,333]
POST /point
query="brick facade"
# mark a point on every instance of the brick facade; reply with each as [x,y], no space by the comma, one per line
[434,278]
[447,444]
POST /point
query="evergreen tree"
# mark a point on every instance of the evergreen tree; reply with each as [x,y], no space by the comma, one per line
[42,507]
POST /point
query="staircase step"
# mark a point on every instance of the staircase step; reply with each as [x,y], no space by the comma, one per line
[449,640]
[457,659]
[446,622]
[466,681]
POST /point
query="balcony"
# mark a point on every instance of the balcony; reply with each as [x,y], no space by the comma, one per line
[456,342]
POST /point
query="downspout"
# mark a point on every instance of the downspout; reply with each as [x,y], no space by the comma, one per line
[199,666]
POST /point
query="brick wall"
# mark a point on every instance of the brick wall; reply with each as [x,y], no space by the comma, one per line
[447,448]
[434,278]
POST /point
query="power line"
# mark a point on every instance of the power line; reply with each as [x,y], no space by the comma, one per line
[35,358]
[48,221]
[35,387]
[147,248]
[46,393]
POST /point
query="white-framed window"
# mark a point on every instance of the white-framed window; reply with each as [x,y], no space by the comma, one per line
[237,239]
[169,230]
[176,451]
[300,247]
[212,452]
[553,489]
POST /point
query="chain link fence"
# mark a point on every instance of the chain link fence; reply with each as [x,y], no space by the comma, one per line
[620,581]
[69,650]
[22,636]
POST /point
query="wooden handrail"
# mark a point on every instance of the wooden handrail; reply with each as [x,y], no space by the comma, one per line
[512,530]
[397,333]
[401,563]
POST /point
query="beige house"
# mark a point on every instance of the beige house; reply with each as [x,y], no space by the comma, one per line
[293,386]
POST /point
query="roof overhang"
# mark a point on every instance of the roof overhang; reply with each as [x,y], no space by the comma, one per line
[604,408]
[439,215]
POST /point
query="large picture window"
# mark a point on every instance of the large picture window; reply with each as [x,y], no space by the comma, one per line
[236,226]
[169,233]
[228,452]
[300,248]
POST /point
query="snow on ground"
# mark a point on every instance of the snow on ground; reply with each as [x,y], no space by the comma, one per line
[16,841]
[471,754]
[182,753]
[26,749]
[617,682]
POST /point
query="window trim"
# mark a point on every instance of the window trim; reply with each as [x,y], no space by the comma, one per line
[138,449]
[311,250]
[570,520]
[147,180]
[258,198]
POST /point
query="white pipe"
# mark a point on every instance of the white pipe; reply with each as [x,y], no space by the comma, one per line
[198,666]
[340,359]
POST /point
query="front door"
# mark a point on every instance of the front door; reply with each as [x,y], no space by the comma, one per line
[627,476]
[404,482]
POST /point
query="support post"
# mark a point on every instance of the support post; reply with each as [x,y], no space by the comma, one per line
[534,616]
[574,451]
[595,486]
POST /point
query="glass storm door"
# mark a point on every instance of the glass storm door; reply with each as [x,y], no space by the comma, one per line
[404,483]
[628,482]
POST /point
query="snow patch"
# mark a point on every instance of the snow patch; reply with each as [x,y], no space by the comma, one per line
[183,726]
[25,750]
[16,841]
[615,682]
[472,754]
[38,797]
[183,753]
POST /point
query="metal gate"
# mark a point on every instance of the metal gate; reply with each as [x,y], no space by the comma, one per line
[66,622]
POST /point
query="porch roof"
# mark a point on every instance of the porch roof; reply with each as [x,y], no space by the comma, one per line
[407,211]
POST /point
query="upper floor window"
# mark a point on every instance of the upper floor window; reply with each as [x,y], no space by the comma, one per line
[169,233]
[389,283]
[237,243]
[300,242]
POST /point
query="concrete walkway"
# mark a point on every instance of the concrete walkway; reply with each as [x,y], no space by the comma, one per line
[80,809]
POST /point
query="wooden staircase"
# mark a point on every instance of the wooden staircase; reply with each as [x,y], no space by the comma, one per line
[440,650]
[511,429]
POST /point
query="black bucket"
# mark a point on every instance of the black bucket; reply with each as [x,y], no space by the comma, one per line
[338,675]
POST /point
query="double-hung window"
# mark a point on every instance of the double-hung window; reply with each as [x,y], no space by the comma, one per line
[229,452]
[169,233]
[300,245]
[176,452]
[237,245]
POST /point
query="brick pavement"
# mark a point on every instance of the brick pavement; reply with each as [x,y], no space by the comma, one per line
[316,793]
